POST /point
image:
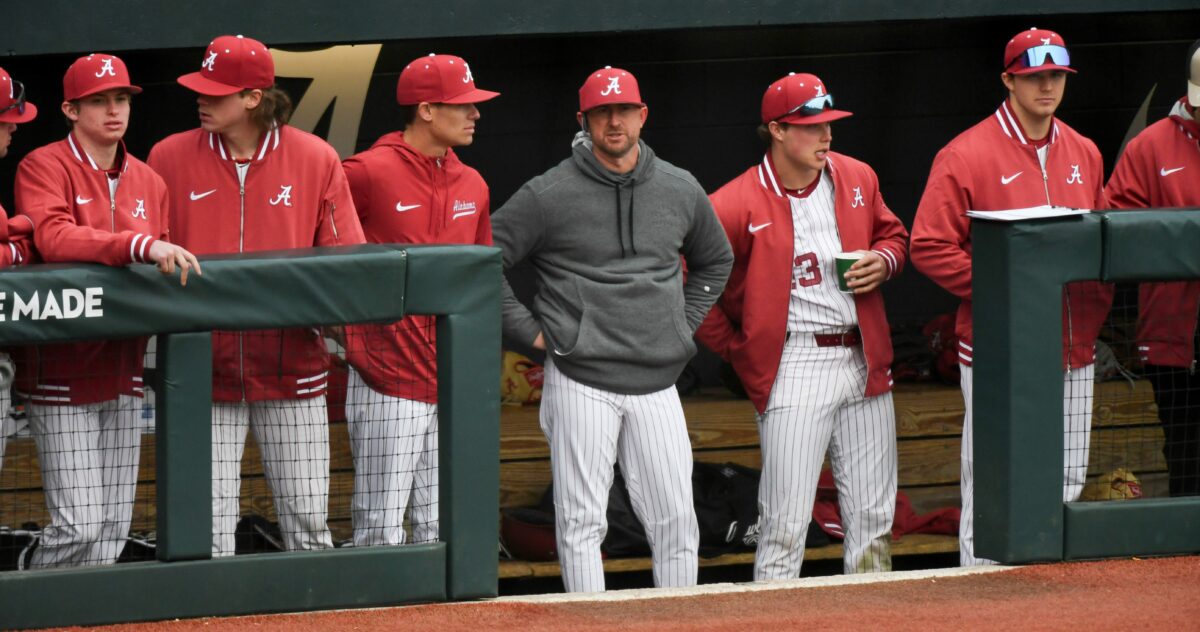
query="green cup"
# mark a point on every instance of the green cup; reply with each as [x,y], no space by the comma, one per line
[844,261]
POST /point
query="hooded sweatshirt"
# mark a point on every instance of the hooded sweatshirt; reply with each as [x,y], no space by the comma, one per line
[404,196]
[612,301]
[1159,170]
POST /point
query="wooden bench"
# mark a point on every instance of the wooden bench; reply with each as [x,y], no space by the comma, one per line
[722,429]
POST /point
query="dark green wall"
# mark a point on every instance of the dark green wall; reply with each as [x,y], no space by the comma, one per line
[912,84]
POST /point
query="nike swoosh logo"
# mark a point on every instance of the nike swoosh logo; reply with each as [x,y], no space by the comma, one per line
[755,229]
[79,199]
[462,214]
[199,196]
[400,207]
[1164,172]
[1006,180]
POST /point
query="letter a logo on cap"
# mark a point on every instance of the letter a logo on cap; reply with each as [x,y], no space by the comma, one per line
[210,61]
[467,78]
[106,68]
[614,86]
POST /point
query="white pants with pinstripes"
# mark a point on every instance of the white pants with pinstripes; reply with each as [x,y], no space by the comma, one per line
[5,404]
[395,446]
[293,439]
[89,457]
[588,430]
[817,404]
[1078,388]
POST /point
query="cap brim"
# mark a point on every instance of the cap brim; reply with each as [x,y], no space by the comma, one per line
[1042,68]
[196,82]
[105,87]
[1194,94]
[473,96]
[12,116]
[823,117]
[604,103]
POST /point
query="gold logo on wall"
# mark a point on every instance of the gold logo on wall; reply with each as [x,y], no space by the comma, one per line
[340,77]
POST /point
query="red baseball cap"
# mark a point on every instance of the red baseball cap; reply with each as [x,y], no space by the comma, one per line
[13,106]
[96,73]
[439,79]
[608,86]
[799,98]
[231,64]
[1036,50]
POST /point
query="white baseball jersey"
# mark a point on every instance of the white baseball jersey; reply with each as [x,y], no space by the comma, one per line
[817,305]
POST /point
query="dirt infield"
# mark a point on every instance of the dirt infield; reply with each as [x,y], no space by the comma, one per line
[1113,595]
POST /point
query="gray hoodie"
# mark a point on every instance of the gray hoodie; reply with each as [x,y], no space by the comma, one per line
[606,247]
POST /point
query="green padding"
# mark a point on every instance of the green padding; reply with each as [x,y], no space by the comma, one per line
[1152,245]
[278,582]
[468,404]
[183,425]
[302,287]
[1156,526]
[1019,270]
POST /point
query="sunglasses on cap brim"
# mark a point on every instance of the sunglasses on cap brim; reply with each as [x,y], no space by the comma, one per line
[813,106]
[18,104]
[1038,56]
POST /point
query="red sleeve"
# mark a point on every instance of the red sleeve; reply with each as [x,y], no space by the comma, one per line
[941,230]
[1127,187]
[358,177]
[889,237]
[717,331]
[41,193]
[338,223]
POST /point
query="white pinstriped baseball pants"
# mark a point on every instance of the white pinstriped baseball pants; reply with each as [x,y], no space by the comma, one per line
[1078,388]
[588,430]
[395,446]
[817,404]
[89,456]
[293,439]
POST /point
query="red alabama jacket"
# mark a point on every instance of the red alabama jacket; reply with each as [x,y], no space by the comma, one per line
[748,324]
[1161,168]
[993,167]
[75,219]
[295,196]
[403,196]
[14,250]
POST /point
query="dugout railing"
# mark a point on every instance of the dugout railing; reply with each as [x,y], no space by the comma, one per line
[1019,272]
[310,287]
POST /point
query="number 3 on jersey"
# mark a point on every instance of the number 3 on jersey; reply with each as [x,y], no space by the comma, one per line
[807,270]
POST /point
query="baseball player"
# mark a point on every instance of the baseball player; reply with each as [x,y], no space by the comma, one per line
[815,361]
[90,200]
[1158,169]
[14,247]
[246,181]
[409,187]
[604,230]
[1021,156]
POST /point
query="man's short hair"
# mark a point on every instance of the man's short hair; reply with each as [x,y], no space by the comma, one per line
[408,114]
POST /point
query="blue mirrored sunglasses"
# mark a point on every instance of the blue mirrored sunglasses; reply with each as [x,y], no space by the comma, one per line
[1037,55]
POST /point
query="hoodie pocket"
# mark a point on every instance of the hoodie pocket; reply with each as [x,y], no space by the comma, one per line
[638,320]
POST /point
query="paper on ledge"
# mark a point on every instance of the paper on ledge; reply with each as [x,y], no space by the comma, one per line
[1033,212]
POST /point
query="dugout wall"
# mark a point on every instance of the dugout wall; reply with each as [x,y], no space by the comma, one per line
[1019,272]
[309,287]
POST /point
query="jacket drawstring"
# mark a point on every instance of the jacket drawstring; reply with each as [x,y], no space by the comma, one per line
[620,221]
[632,192]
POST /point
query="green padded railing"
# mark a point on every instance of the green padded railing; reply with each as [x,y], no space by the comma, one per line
[319,286]
[1019,271]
